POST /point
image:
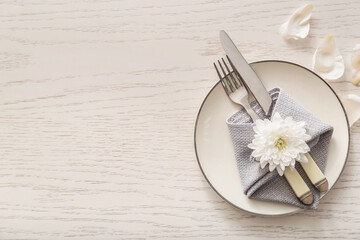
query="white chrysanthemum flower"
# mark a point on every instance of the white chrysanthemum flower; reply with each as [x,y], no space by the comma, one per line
[279,143]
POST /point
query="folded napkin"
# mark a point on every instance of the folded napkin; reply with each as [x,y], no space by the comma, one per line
[261,184]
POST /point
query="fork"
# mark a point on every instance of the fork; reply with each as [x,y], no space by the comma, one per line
[234,88]
[237,92]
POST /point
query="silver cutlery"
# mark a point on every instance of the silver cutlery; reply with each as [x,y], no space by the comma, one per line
[246,73]
[237,92]
[235,89]
[252,81]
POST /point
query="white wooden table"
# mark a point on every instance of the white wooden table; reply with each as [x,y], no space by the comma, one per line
[98,103]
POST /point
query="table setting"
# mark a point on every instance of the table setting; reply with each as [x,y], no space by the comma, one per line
[180,119]
[274,130]
[280,74]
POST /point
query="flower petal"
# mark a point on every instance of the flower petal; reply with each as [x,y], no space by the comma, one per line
[327,60]
[298,26]
[303,158]
[355,63]
[282,166]
[352,106]
[279,170]
[272,167]
[263,164]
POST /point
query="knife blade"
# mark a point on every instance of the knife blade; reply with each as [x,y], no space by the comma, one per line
[252,81]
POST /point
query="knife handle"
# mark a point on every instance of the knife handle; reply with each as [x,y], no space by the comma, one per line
[298,185]
[315,175]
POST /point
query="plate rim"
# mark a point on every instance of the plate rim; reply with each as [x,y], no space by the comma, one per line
[300,209]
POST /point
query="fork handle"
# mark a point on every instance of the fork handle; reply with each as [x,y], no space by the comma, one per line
[250,111]
[299,186]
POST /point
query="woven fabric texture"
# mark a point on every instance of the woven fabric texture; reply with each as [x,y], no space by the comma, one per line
[261,184]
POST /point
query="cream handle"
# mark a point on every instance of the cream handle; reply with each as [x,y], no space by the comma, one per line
[298,185]
[314,173]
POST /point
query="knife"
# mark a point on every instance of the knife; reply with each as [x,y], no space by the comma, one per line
[246,72]
[263,98]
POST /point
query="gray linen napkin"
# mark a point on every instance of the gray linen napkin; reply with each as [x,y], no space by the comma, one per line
[261,184]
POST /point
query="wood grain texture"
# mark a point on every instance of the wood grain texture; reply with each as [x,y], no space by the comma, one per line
[98,101]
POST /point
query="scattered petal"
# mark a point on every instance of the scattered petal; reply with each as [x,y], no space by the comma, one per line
[298,26]
[327,60]
[356,77]
[355,63]
[352,106]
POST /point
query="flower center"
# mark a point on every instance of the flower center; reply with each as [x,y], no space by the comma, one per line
[280,143]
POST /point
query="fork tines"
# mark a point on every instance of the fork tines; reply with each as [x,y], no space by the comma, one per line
[230,79]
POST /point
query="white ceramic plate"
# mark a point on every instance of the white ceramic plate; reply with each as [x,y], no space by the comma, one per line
[213,144]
